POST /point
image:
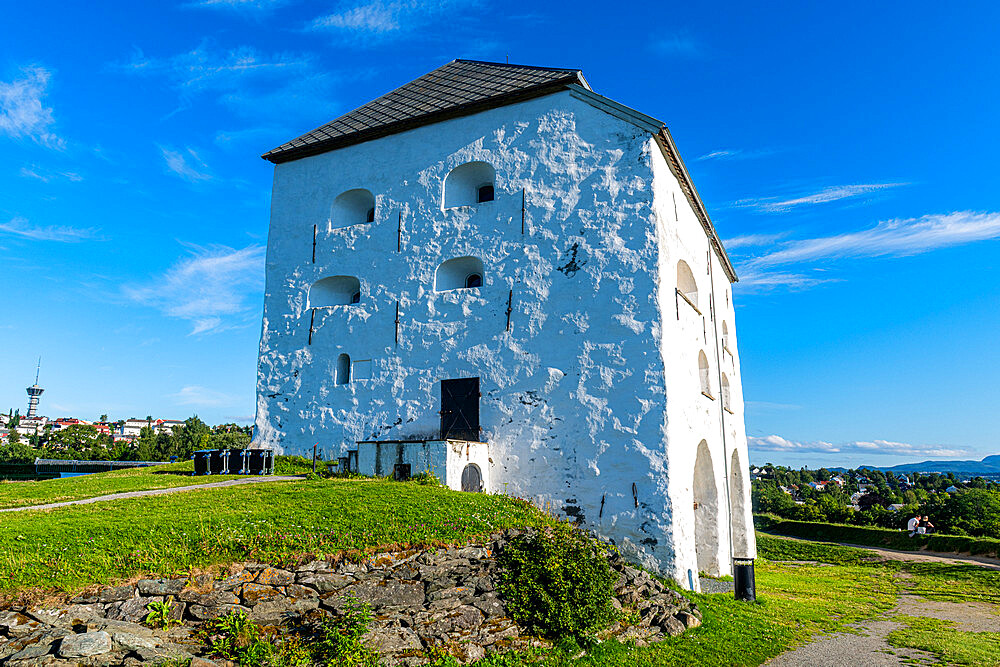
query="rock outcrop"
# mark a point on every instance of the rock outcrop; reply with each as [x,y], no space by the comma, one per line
[442,600]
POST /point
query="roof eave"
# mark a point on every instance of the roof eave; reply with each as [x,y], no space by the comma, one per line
[277,156]
[676,164]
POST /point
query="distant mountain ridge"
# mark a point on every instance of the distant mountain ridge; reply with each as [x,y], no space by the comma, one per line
[990,465]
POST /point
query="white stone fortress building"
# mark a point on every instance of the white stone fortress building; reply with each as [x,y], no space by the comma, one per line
[495,274]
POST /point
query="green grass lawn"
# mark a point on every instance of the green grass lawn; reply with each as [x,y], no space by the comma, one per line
[25,494]
[78,545]
[283,523]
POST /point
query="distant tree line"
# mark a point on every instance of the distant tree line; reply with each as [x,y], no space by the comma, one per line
[84,442]
[974,509]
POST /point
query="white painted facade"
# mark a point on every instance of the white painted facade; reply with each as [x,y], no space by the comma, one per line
[592,401]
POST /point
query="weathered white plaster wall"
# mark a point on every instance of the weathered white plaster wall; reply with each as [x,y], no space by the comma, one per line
[591,402]
[446,459]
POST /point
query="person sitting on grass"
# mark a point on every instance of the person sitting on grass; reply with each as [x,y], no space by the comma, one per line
[926,527]
[912,525]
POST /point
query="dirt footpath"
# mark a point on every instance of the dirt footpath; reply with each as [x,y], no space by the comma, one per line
[157,492]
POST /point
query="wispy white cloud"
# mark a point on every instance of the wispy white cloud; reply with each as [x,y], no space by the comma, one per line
[736,154]
[23,113]
[211,287]
[376,18]
[380,19]
[824,196]
[47,175]
[20,227]
[186,165]
[891,238]
[776,443]
[753,240]
[238,5]
[677,44]
[208,68]
[275,88]
[199,396]
[900,237]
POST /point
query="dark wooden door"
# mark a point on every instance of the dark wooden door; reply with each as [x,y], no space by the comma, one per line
[460,409]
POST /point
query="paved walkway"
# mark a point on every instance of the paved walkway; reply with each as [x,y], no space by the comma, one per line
[158,492]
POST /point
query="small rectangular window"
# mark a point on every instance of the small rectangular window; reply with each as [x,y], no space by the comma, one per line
[401,472]
[362,370]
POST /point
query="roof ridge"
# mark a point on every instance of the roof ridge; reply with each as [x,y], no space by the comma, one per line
[490,62]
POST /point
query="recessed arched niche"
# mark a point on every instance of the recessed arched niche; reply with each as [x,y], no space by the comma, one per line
[335,291]
[459,273]
[353,207]
[469,184]
[686,283]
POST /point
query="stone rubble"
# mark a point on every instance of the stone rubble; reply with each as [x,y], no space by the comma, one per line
[444,599]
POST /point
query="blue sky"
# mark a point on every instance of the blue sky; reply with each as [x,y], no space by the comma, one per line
[845,152]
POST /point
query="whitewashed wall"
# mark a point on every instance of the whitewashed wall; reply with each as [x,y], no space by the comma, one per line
[590,403]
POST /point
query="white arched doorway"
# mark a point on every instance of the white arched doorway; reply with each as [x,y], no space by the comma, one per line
[706,512]
[741,543]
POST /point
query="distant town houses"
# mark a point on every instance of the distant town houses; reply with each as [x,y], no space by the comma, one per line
[125,430]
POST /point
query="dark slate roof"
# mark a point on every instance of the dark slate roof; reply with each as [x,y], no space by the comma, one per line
[459,88]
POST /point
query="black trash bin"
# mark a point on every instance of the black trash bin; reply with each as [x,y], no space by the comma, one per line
[201,458]
[260,461]
[238,462]
[218,462]
[743,578]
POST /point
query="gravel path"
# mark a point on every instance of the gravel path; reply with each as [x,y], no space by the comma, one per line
[917,556]
[158,492]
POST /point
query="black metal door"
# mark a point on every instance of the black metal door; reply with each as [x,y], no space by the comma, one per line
[460,409]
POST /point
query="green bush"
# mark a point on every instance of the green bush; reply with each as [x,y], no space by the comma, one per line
[557,582]
[336,641]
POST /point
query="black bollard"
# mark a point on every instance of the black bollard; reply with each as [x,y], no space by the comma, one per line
[743,578]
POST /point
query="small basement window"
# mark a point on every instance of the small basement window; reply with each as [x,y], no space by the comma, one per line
[335,291]
[469,184]
[353,207]
[459,273]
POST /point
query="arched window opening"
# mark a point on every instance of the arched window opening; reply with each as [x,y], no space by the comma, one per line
[343,369]
[706,512]
[469,184]
[459,273]
[725,393]
[725,336]
[334,291]
[353,207]
[704,375]
[686,284]
[739,492]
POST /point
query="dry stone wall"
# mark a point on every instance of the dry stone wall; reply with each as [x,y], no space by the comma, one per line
[444,600]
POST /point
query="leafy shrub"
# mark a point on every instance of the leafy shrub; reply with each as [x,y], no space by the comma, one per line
[235,637]
[557,582]
[426,478]
[159,614]
[340,638]
[337,641]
